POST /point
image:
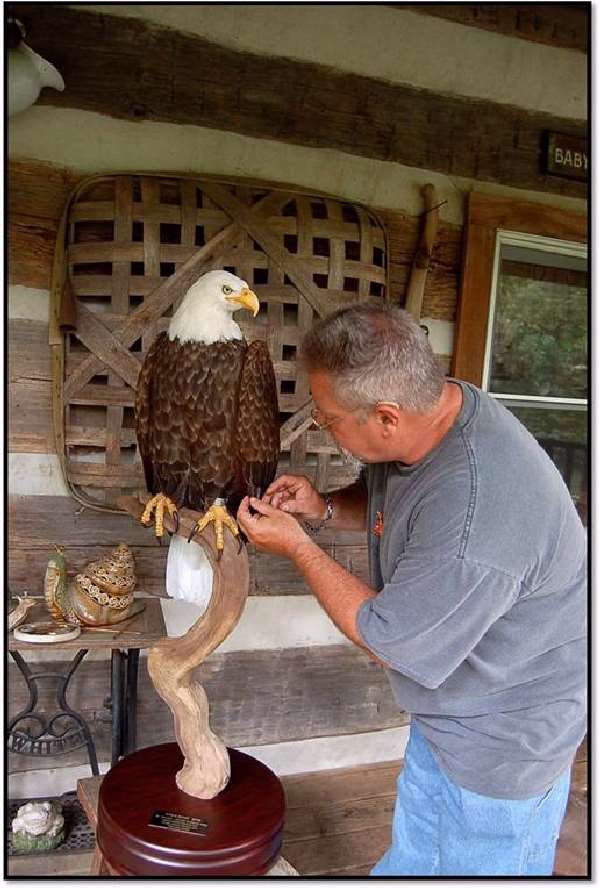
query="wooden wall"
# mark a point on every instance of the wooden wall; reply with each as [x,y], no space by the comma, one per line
[553,24]
[242,683]
[33,531]
[254,115]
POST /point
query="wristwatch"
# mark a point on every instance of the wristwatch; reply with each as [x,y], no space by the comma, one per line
[315,528]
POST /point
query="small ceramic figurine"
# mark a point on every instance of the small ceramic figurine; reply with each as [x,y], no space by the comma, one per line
[38,826]
[28,72]
[56,589]
[19,614]
[100,595]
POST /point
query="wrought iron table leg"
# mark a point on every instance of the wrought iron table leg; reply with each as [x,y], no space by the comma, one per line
[133,656]
[62,701]
[117,663]
[50,739]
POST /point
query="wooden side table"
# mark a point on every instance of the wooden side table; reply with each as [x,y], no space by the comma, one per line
[88,790]
[65,729]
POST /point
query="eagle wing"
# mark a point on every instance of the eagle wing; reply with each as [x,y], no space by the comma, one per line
[258,420]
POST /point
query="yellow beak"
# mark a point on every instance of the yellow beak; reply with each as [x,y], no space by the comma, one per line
[246,299]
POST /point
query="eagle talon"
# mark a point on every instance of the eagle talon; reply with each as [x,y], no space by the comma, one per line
[221,518]
[158,504]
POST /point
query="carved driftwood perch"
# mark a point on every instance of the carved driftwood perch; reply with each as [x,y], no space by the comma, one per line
[206,768]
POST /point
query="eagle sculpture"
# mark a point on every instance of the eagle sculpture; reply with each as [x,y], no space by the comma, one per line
[207,422]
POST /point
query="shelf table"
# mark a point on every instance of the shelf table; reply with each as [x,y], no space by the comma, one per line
[66,730]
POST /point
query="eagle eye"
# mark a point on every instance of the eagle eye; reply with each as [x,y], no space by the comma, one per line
[227,289]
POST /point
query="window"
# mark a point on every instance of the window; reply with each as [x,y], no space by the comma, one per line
[536,351]
[523,324]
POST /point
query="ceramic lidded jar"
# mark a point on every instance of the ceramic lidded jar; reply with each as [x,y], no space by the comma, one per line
[102,594]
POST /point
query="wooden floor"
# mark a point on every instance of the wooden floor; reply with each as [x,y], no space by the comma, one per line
[338,824]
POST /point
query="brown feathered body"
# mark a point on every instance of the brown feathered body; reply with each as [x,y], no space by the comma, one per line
[207,421]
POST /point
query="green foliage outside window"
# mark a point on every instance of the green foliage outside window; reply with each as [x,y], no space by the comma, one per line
[539,348]
[540,339]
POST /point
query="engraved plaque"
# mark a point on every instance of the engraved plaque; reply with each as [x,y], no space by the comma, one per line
[179,822]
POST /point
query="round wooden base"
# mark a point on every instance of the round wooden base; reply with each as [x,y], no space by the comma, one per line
[149,827]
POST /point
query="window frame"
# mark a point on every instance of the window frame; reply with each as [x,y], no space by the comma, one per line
[486,216]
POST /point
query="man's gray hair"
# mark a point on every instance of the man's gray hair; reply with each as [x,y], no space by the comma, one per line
[375,352]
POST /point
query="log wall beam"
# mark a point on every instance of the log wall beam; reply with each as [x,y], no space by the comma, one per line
[256,697]
[36,524]
[128,69]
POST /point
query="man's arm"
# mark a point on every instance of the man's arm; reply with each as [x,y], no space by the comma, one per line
[340,593]
[270,529]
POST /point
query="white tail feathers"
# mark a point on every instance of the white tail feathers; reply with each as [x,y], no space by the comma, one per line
[189,573]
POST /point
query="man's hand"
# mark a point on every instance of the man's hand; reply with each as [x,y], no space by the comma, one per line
[271,530]
[296,495]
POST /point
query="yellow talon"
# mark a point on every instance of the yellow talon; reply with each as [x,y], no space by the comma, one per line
[221,518]
[158,504]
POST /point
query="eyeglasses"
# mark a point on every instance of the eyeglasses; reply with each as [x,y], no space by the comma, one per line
[323,423]
[321,420]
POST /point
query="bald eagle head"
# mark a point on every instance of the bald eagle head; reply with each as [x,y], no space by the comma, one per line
[206,311]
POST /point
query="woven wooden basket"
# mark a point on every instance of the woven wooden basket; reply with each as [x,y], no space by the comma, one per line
[129,248]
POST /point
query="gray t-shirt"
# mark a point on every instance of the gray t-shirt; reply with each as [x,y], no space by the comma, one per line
[481,606]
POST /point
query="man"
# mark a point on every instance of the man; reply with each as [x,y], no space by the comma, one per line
[477,604]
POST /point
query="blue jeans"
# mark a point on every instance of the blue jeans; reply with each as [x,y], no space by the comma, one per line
[441,829]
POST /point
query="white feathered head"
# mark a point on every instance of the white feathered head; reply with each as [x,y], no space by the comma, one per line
[206,311]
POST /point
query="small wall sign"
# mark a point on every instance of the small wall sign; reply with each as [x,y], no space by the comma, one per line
[567,156]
